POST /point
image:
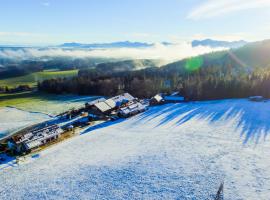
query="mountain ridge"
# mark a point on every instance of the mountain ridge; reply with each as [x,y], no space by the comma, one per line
[218,43]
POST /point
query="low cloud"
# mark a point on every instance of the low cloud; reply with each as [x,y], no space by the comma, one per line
[167,53]
[18,34]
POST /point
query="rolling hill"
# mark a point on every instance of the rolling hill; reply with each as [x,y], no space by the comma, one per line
[127,65]
[245,59]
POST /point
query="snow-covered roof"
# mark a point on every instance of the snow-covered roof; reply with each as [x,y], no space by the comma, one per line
[158,97]
[132,108]
[174,94]
[111,103]
[37,137]
[120,98]
[105,105]
[102,106]
[96,101]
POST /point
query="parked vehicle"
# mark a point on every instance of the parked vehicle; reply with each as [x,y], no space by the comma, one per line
[257,98]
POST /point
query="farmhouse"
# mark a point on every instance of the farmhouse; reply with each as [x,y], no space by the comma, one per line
[35,138]
[105,107]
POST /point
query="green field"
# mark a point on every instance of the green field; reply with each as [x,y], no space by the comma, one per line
[33,78]
[16,99]
[43,102]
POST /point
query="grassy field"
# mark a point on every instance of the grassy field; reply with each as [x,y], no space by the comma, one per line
[43,102]
[33,78]
[28,108]
[20,98]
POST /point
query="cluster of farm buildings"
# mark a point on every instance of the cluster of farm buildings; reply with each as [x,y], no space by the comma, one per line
[121,106]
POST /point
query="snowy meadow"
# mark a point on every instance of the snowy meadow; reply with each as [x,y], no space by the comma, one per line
[34,109]
[174,151]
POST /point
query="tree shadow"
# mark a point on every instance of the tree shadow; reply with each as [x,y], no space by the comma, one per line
[251,117]
[102,125]
[7,162]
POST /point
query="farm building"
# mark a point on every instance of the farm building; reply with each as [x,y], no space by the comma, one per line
[105,107]
[162,98]
[157,100]
[35,138]
[132,108]
[174,99]
[91,103]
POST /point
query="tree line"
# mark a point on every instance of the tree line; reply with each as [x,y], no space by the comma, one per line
[204,83]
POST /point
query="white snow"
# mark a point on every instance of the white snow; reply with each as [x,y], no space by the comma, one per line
[174,151]
[29,113]
[12,119]
[56,105]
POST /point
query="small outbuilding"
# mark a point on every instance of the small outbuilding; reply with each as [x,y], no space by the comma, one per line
[157,100]
[163,98]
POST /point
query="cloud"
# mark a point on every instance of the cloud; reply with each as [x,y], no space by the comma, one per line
[45,4]
[18,34]
[213,8]
[158,51]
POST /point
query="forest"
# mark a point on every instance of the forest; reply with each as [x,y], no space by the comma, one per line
[227,74]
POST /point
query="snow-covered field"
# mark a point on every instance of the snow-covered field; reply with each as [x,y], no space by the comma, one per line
[175,151]
[56,105]
[38,110]
[12,119]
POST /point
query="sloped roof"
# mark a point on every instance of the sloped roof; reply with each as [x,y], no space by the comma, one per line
[105,105]
[158,98]
[96,101]
[128,96]
[132,108]
[40,135]
[111,103]
[125,96]
[102,106]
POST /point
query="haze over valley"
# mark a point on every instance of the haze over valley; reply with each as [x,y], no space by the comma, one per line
[135,99]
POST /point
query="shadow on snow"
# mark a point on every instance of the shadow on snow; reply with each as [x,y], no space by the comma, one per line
[102,125]
[251,117]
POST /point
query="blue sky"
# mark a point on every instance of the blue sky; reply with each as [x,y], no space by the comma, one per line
[58,21]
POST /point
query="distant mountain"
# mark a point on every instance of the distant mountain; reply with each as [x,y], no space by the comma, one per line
[124,44]
[217,43]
